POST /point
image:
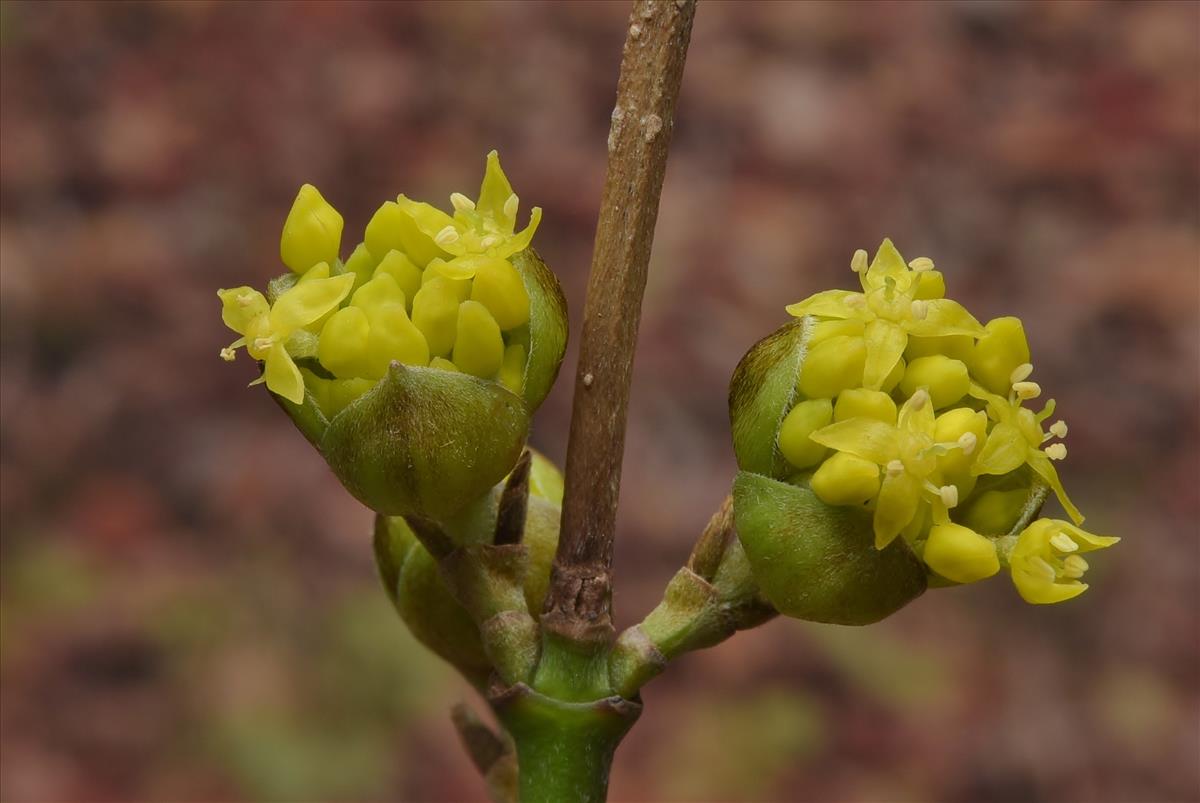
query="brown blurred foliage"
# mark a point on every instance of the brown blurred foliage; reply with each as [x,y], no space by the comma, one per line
[189,607]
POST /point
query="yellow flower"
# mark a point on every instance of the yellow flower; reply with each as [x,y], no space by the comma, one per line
[266,329]
[908,455]
[479,232]
[1017,437]
[897,301]
[1045,561]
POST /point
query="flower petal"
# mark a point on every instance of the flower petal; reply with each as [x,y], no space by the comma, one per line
[945,317]
[1004,451]
[519,241]
[828,304]
[240,306]
[308,301]
[885,343]
[1044,467]
[887,264]
[1088,542]
[862,437]
[282,375]
[919,419]
[1036,589]
[494,193]
[899,497]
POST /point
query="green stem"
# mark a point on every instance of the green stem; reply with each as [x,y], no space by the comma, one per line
[564,750]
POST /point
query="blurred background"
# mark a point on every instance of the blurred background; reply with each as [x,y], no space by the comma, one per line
[189,606]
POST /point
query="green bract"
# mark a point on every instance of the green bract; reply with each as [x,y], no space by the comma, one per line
[415,365]
[884,446]
[413,581]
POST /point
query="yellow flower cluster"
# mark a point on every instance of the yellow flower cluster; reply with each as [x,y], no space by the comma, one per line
[906,403]
[424,288]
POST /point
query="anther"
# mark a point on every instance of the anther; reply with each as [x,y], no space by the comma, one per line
[894,468]
[1043,568]
[921,264]
[245,299]
[1074,567]
[263,343]
[461,202]
[1063,543]
[446,236]
[1020,373]
[919,399]
[511,205]
[920,309]
[856,301]
[949,495]
[858,262]
[967,442]
[490,241]
[1027,390]
[228,354]
[1056,451]
[1059,429]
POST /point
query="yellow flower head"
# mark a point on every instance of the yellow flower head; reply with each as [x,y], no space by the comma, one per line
[1046,560]
[425,288]
[897,301]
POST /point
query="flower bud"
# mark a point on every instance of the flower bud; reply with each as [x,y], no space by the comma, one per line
[863,403]
[998,353]
[960,554]
[803,420]
[844,479]
[312,232]
[944,378]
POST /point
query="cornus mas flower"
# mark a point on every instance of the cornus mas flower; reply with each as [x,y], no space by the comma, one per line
[884,447]
[267,329]
[897,301]
[446,328]
[1046,560]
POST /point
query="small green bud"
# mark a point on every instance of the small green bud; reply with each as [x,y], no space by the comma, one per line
[401,268]
[1002,349]
[844,479]
[435,313]
[498,287]
[803,420]
[342,348]
[361,264]
[833,365]
[478,346]
[960,554]
[863,403]
[312,232]
[945,379]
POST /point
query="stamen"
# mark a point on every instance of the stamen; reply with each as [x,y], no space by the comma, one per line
[894,468]
[967,442]
[245,299]
[919,399]
[949,495]
[263,343]
[1021,373]
[858,262]
[1074,567]
[490,241]
[921,264]
[1056,451]
[856,301]
[511,205]
[228,354]
[1059,429]
[1063,543]
[461,202]
[1027,390]
[920,309]
[446,236]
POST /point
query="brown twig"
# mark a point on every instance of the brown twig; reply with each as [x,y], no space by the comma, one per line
[578,606]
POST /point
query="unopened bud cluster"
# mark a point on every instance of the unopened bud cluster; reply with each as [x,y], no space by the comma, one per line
[425,288]
[910,408]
